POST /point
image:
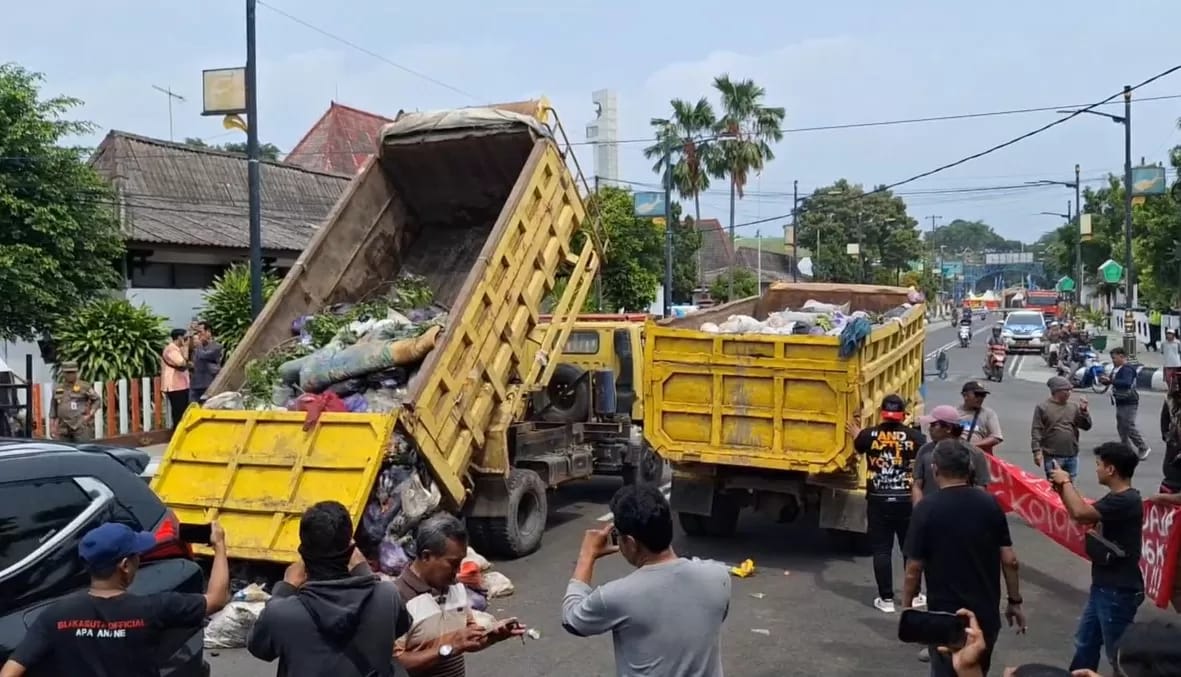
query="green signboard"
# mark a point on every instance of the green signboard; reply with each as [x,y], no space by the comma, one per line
[1065,284]
[1111,271]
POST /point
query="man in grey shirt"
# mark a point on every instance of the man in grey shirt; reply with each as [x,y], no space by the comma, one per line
[206,358]
[943,423]
[666,616]
[982,427]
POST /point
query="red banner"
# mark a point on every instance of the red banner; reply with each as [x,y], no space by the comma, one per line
[1034,500]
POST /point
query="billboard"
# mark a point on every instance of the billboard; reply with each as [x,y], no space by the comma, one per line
[649,205]
[1006,258]
[1148,181]
[953,269]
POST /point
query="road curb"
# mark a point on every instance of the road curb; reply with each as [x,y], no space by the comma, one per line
[1151,378]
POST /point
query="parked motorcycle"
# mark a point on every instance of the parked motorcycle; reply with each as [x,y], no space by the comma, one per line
[1088,373]
[965,336]
[994,367]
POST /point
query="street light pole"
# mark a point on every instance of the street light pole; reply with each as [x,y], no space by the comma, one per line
[1129,273]
[795,222]
[668,234]
[1078,237]
[254,179]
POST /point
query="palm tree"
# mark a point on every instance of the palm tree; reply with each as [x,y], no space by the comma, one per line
[681,138]
[745,133]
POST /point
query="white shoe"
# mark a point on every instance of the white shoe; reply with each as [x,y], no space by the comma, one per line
[924,655]
[919,601]
[885,605]
[1144,454]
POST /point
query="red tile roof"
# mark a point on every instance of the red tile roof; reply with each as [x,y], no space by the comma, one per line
[717,251]
[340,141]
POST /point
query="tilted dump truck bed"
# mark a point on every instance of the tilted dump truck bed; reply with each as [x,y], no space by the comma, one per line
[770,401]
[481,204]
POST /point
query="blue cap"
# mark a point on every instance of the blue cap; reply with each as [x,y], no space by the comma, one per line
[106,545]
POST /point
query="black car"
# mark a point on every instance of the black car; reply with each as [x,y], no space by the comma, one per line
[52,494]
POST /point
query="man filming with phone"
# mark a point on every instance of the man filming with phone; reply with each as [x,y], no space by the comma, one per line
[959,539]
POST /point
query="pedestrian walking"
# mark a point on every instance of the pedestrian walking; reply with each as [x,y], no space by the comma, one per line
[442,629]
[666,616]
[959,541]
[1054,432]
[1126,399]
[889,449]
[330,615]
[982,427]
[206,358]
[1117,587]
[174,375]
[943,423]
[72,409]
[1171,356]
[107,630]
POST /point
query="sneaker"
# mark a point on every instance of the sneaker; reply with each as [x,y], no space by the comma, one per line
[919,601]
[884,605]
[1144,454]
[924,655]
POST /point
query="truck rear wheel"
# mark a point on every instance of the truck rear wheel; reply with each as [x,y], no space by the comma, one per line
[722,522]
[649,469]
[519,531]
[569,395]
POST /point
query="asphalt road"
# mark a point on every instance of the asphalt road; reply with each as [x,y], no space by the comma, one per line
[807,610]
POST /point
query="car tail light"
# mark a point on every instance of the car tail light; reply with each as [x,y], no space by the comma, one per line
[168,542]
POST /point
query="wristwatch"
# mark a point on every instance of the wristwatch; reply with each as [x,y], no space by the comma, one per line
[446,650]
[1016,601]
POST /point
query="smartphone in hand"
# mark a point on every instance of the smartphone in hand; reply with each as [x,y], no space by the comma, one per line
[932,628]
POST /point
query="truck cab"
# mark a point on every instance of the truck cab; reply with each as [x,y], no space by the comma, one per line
[596,386]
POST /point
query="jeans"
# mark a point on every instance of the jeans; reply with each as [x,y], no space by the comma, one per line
[1108,613]
[1067,463]
[888,521]
[1125,425]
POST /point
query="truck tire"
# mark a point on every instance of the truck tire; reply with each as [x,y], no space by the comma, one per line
[569,394]
[519,532]
[650,469]
[721,523]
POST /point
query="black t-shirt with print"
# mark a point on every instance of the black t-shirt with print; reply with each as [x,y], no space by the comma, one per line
[1121,518]
[889,449]
[86,636]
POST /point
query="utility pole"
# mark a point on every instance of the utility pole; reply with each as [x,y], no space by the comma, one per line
[167,91]
[1129,276]
[934,219]
[253,165]
[860,256]
[795,224]
[668,234]
[1078,237]
[759,265]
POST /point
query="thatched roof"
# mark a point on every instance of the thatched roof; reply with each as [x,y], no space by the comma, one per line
[175,194]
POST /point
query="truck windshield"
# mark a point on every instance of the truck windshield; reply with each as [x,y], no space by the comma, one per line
[1041,301]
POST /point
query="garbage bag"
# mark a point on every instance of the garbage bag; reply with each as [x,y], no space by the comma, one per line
[347,387]
[392,558]
[417,502]
[230,627]
[480,561]
[315,405]
[476,600]
[470,575]
[231,400]
[363,358]
[497,584]
[356,404]
[382,400]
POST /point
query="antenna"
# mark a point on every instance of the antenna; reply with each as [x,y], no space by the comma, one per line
[171,95]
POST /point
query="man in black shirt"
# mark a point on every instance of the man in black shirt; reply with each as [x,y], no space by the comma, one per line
[107,631]
[889,449]
[959,539]
[1117,588]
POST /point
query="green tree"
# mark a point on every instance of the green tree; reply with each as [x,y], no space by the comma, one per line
[635,263]
[266,151]
[745,284]
[684,138]
[843,214]
[975,236]
[60,242]
[226,305]
[746,131]
[686,244]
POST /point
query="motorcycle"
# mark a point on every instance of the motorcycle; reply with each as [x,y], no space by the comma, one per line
[965,336]
[1088,373]
[1051,354]
[994,368]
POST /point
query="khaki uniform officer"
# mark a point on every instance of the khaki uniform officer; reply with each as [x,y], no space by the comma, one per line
[72,410]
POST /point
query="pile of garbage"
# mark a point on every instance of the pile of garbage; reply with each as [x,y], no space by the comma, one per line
[812,319]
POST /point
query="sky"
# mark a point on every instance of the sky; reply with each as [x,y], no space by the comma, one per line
[825,63]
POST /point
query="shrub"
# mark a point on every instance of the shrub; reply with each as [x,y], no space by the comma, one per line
[111,339]
[227,304]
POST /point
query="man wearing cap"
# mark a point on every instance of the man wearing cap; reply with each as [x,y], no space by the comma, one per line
[107,630]
[71,411]
[889,449]
[982,427]
[1055,430]
[943,423]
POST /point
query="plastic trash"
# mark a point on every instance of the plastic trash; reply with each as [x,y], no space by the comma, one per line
[230,627]
[743,570]
[228,401]
[497,584]
[480,560]
[392,557]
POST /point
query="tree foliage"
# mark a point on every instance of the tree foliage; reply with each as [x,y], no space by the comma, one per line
[59,239]
[226,305]
[692,154]
[111,339]
[745,284]
[975,236]
[842,214]
[266,151]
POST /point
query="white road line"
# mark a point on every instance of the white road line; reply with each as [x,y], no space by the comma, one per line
[667,490]
[952,344]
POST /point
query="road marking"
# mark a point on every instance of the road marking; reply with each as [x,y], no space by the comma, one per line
[667,490]
[931,355]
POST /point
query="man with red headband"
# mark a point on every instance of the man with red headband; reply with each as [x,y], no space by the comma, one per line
[889,449]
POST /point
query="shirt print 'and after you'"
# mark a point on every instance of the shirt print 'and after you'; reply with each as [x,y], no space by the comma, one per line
[889,454]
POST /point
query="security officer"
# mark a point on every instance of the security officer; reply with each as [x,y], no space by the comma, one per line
[72,409]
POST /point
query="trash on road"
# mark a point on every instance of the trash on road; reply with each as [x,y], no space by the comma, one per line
[230,627]
[743,570]
[761,631]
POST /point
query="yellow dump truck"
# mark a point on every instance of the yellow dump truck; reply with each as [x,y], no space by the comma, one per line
[481,204]
[760,420]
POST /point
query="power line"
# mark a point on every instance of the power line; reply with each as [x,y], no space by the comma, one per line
[369,52]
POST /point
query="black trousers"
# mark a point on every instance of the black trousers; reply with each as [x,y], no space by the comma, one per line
[178,401]
[888,522]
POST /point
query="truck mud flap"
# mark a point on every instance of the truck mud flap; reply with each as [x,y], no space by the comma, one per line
[843,510]
[693,495]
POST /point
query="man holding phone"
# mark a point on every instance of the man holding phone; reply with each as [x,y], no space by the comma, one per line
[1055,430]
[959,538]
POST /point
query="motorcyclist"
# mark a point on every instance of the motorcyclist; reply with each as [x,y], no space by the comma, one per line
[994,338]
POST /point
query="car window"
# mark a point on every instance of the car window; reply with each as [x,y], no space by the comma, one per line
[34,512]
[1025,319]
